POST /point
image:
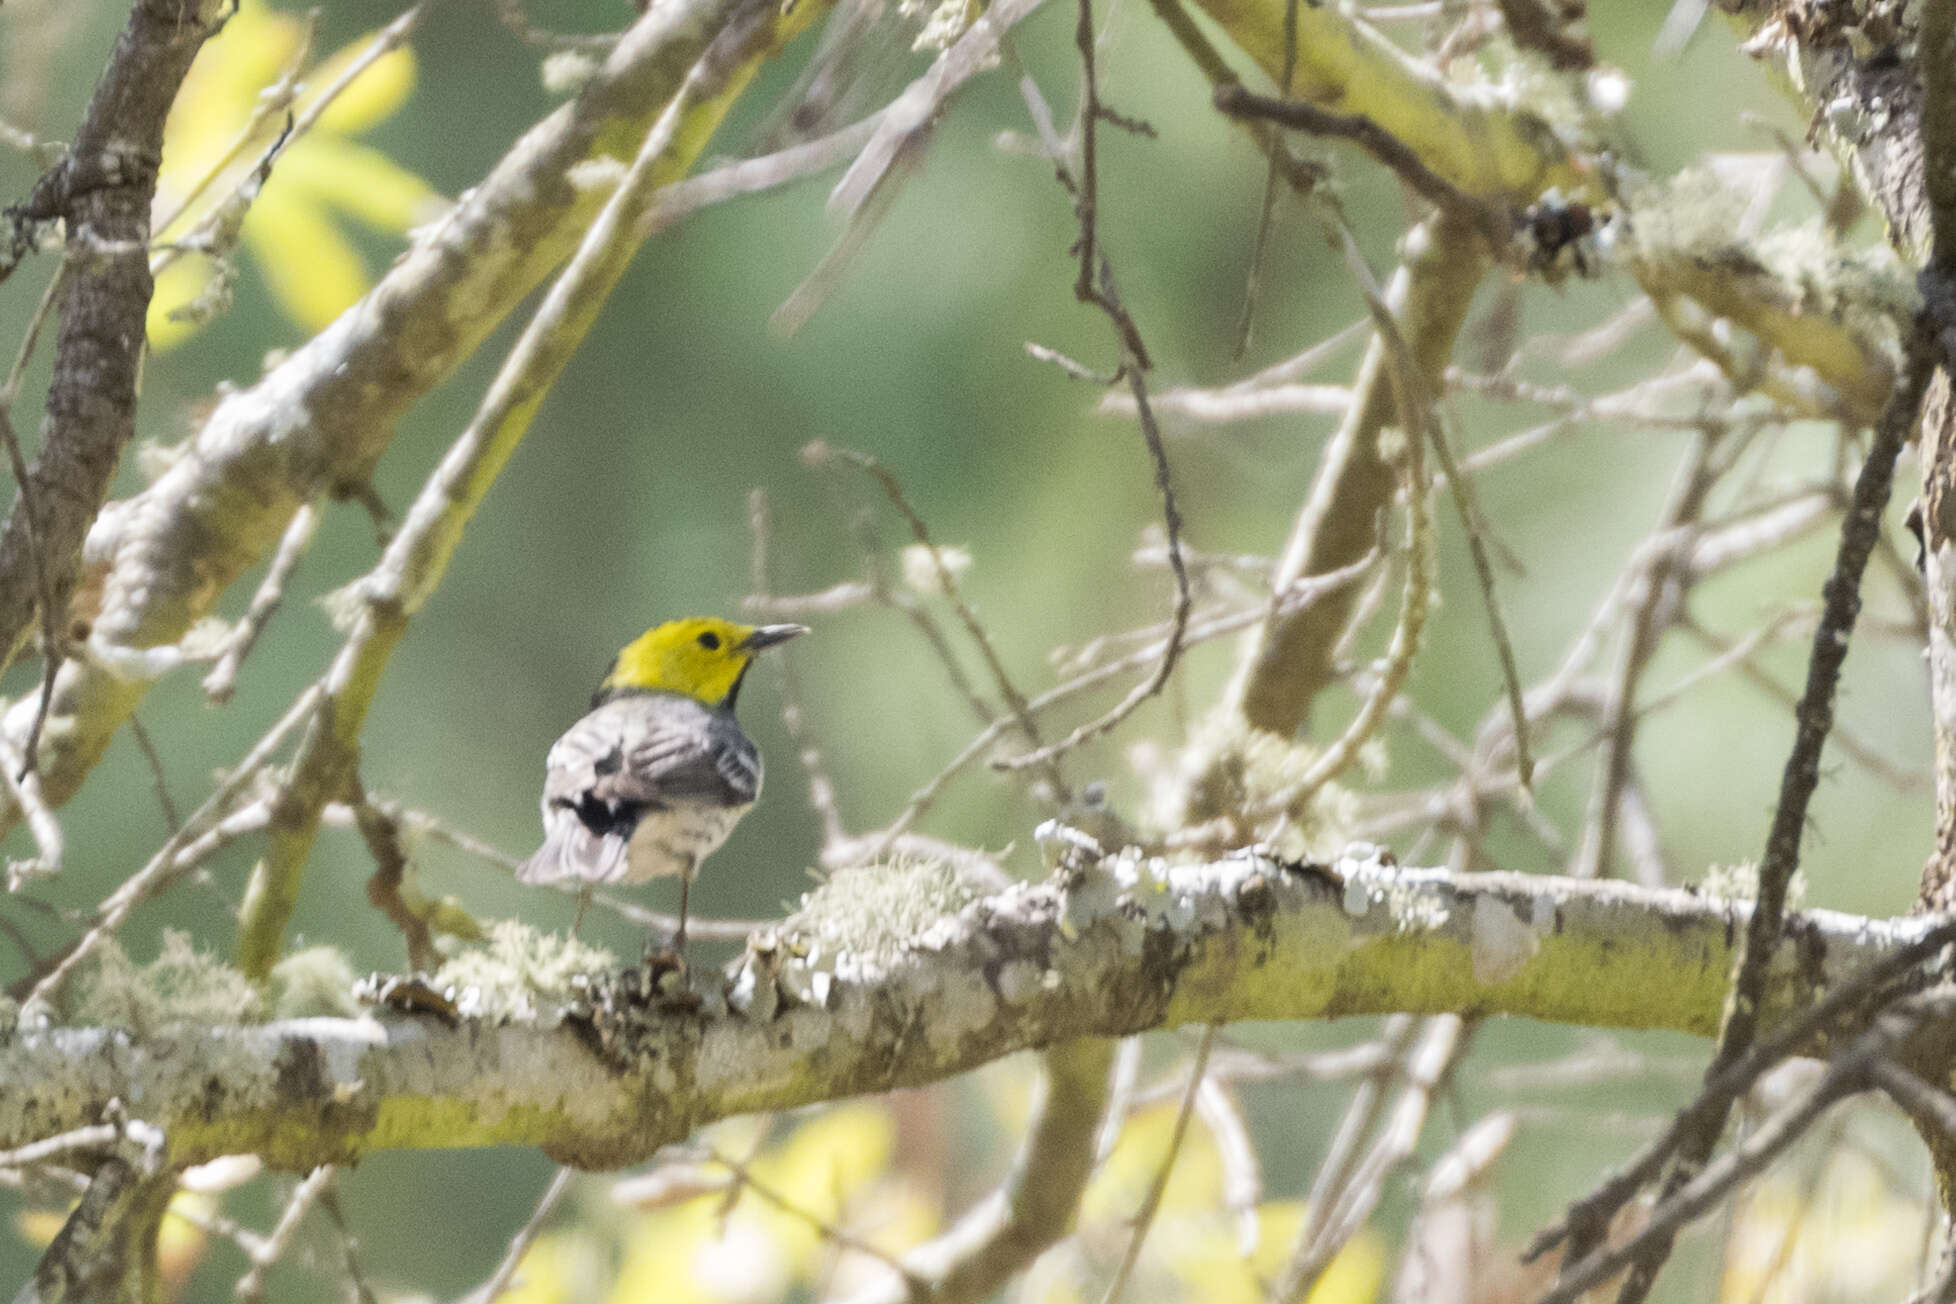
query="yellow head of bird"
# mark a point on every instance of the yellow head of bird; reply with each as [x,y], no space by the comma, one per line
[703,658]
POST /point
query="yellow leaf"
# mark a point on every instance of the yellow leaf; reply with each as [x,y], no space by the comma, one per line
[1123,1181]
[358,180]
[310,269]
[1855,1237]
[372,97]
[1353,1277]
[38,1226]
[545,1274]
[178,284]
[659,1256]
[180,1243]
[222,87]
[829,1157]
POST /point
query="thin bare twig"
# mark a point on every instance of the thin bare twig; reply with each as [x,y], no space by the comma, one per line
[1847,1074]
[1144,1217]
[1491,223]
[157,781]
[357,1288]
[382,835]
[1355,1192]
[1415,416]
[1475,526]
[222,681]
[745,1181]
[947,582]
[275,101]
[1584,1226]
[1361,1115]
[185,848]
[1652,582]
[821,788]
[505,1274]
[1095,285]
[271,102]
[92,1137]
[1299,595]
[1267,210]
[50,843]
[251,1287]
[1813,718]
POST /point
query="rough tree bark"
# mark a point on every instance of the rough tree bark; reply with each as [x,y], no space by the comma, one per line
[604,1076]
[101,193]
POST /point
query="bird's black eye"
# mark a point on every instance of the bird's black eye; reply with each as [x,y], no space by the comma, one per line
[710,641]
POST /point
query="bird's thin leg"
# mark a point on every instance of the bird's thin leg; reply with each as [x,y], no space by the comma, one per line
[679,938]
[583,901]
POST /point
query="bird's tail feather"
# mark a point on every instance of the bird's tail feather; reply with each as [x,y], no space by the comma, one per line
[572,851]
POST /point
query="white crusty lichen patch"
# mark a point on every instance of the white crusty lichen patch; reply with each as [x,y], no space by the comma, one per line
[521,973]
[181,986]
[851,928]
[1408,896]
[1740,882]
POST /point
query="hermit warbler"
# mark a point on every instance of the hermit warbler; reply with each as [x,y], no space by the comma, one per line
[654,778]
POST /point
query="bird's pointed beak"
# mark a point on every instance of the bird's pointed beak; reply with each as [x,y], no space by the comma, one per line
[769,635]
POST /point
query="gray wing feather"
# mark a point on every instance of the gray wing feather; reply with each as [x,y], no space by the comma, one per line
[716,767]
[627,758]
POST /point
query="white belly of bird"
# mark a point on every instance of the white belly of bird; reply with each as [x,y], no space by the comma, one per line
[669,843]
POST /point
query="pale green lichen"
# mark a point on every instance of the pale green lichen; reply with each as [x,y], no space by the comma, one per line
[316,981]
[1815,302]
[521,973]
[180,986]
[1527,85]
[1414,908]
[873,911]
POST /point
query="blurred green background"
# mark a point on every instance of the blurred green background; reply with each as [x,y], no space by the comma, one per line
[627,504]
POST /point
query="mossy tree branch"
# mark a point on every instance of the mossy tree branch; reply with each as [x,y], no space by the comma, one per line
[1490,150]
[603,1078]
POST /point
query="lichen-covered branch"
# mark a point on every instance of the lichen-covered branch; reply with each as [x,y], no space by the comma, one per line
[1490,149]
[605,1077]
[101,193]
[1290,660]
[1937,435]
[318,421]
[1811,310]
